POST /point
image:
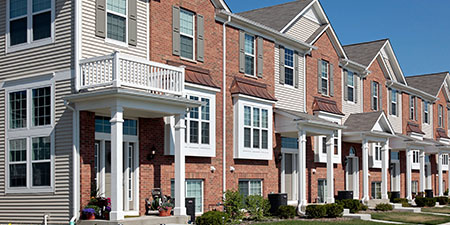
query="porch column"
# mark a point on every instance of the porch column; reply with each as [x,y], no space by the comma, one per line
[384,170]
[441,191]
[365,165]
[301,169]
[330,168]
[117,163]
[180,174]
[408,173]
[422,171]
[448,182]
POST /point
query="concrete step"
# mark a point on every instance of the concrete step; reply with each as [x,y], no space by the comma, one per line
[374,202]
[143,220]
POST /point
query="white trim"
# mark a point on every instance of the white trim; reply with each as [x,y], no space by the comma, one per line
[110,40]
[201,87]
[203,193]
[251,55]
[297,16]
[248,181]
[188,35]
[415,165]
[376,163]
[290,67]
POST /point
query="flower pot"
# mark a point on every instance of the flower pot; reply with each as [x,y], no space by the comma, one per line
[165,212]
[106,215]
[90,216]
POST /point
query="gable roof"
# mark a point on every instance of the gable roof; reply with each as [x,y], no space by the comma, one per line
[429,83]
[365,52]
[362,122]
[277,16]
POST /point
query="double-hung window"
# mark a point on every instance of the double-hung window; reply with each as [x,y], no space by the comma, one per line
[415,187]
[194,189]
[426,112]
[445,159]
[117,20]
[375,95]
[412,107]
[440,116]
[350,86]
[249,49]
[250,187]
[30,22]
[322,190]
[415,156]
[376,190]
[198,123]
[394,102]
[289,67]
[256,127]
[30,141]
[377,151]
[325,77]
[187,33]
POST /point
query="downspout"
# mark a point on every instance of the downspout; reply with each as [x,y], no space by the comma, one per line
[224,105]
[304,78]
[75,162]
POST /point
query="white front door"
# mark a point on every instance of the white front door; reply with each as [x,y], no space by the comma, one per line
[395,176]
[289,176]
[352,173]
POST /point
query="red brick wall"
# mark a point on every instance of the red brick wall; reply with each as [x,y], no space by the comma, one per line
[405,112]
[377,75]
[441,101]
[87,160]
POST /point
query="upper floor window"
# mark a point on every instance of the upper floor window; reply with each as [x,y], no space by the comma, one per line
[29,22]
[249,54]
[325,77]
[440,116]
[289,67]
[117,20]
[187,33]
[412,107]
[426,112]
[40,108]
[351,84]
[198,123]
[445,159]
[256,127]
[415,156]
[394,102]
[377,151]
[375,88]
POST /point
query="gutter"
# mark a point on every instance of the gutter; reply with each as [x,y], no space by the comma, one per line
[224,111]
[355,64]
[411,90]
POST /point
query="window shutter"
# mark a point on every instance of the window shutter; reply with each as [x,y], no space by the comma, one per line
[319,76]
[356,83]
[399,95]
[380,97]
[345,85]
[390,101]
[282,74]
[260,62]
[296,69]
[331,80]
[415,108]
[423,111]
[132,22]
[176,45]
[241,51]
[100,18]
[372,93]
[200,38]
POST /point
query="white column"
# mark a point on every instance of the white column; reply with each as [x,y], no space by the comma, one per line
[448,181]
[330,168]
[301,169]
[365,167]
[384,170]
[116,163]
[180,175]
[408,173]
[441,191]
[422,172]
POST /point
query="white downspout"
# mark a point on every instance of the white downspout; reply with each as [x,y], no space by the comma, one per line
[224,105]
[77,44]
[75,161]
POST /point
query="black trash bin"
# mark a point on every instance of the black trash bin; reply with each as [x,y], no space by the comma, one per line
[344,195]
[277,200]
[394,195]
[429,193]
[190,208]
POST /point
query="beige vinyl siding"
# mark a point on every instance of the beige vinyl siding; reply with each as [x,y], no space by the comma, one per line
[303,28]
[396,121]
[428,128]
[289,97]
[39,60]
[30,208]
[93,46]
[351,107]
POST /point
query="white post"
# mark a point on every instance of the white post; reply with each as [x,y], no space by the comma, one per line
[441,191]
[116,163]
[180,158]
[384,170]
[422,171]
[365,165]
[330,168]
[301,170]
[408,173]
[448,181]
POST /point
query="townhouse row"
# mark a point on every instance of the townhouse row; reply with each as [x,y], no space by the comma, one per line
[125,96]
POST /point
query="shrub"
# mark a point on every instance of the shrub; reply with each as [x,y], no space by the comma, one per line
[212,218]
[286,212]
[442,200]
[446,192]
[257,207]
[316,211]
[352,204]
[334,210]
[404,201]
[383,207]
[428,202]
[233,205]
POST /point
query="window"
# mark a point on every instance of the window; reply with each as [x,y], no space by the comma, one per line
[440,116]
[187,34]
[325,75]
[412,107]
[41,106]
[322,190]
[194,189]
[350,86]
[103,125]
[256,129]
[375,95]
[395,156]
[415,187]
[394,102]
[289,66]
[198,123]
[376,190]
[249,49]
[117,20]
[30,21]
[426,112]
[324,145]
[377,151]
[336,142]
[289,142]
[415,156]
[250,187]
[445,159]
[18,109]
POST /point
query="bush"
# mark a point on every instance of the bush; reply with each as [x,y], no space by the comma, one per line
[257,207]
[334,210]
[353,205]
[446,192]
[428,202]
[233,205]
[404,201]
[212,218]
[442,200]
[383,207]
[286,212]
[316,211]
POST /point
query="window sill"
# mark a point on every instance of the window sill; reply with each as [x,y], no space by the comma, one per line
[351,102]
[289,86]
[188,60]
[116,43]
[33,191]
[25,46]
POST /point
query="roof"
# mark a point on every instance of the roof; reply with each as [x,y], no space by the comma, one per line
[429,83]
[440,133]
[196,75]
[364,53]
[308,117]
[316,33]
[251,88]
[326,105]
[362,122]
[413,128]
[277,16]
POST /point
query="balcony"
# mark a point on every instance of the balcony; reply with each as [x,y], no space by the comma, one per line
[120,70]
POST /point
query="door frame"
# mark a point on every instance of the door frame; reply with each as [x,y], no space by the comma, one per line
[355,160]
[295,167]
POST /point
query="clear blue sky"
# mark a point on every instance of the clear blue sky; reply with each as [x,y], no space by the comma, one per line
[419,30]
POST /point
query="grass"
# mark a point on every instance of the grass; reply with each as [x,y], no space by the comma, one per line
[312,222]
[409,217]
[445,210]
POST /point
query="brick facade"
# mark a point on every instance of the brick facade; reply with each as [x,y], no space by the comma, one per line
[87,155]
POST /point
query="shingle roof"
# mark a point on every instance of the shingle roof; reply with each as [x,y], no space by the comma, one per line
[365,52]
[429,83]
[277,16]
[362,122]
[251,88]
[413,128]
[316,33]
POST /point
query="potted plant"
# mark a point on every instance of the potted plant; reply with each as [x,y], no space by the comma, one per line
[165,209]
[106,213]
[89,213]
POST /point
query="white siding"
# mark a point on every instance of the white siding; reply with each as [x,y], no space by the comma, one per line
[351,107]
[93,46]
[428,128]
[396,121]
[303,28]
[289,97]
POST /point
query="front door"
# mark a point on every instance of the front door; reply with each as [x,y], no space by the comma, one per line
[395,176]
[352,169]
[290,175]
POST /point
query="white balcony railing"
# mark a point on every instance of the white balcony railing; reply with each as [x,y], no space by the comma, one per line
[119,70]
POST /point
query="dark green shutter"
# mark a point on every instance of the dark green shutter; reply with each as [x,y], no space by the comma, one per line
[331,80]
[176,45]
[200,38]
[132,22]
[345,85]
[319,76]
[100,18]
[260,61]
[296,69]
[282,71]
[242,51]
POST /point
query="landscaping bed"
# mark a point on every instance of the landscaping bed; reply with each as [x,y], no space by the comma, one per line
[320,222]
[409,217]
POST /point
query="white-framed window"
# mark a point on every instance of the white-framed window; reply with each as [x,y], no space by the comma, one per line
[321,146]
[289,67]
[440,116]
[325,77]
[350,85]
[395,156]
[412,107]
[444,159]
[287,142]
[187,34]
[394,102]
[253,128]
[375,95]
[426,112]
[377,151]
[249,49]
[30,138]
[30,23]
[322,190]
[415,187]
[416,154]
[194,189]
[250,187]
[376,190]
[117,20]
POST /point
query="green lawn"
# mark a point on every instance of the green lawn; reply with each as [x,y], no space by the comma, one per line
[312,222]
[445,210]
[409,217]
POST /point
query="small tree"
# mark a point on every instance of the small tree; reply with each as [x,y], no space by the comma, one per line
[233,205]
[257,207]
